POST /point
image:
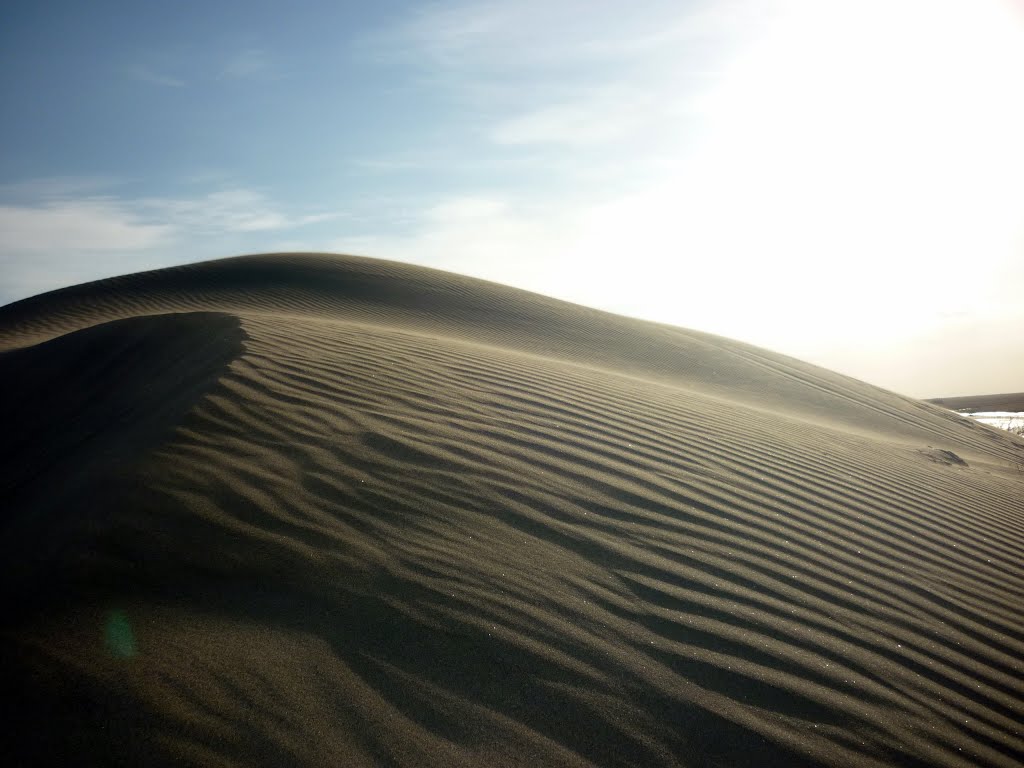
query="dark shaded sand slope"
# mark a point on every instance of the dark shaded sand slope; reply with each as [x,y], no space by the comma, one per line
[313,510]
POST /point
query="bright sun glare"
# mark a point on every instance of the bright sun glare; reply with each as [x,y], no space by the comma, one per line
[858,158]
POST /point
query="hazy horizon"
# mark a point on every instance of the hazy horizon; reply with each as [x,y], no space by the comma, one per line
[841,182]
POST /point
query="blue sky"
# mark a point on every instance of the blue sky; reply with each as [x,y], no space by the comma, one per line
[841,181]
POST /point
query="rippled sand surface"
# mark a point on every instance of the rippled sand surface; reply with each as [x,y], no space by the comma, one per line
[318,510]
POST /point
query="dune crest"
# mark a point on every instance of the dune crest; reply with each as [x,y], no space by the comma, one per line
[307,509]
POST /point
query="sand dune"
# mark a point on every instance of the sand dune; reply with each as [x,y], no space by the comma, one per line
[317,510]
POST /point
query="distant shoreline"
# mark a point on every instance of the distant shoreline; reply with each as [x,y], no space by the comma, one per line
[1005,402]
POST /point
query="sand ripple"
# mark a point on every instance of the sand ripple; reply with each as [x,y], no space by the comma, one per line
[429,521]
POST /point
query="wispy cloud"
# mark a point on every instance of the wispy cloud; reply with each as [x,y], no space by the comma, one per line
[108,222]
[57,188]
[487,237]
[62,242]
[251,62]
[146,75]
[398,162]
[576,74]
[96,224]
[163,68]
[489,37]
[597,117]
[226,210]
[50,239]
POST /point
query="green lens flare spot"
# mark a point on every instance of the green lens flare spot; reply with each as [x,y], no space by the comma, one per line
[118,635]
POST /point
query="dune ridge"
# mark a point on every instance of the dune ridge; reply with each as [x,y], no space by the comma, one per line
[362,513]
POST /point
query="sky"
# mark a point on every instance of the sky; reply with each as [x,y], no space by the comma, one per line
[841,181]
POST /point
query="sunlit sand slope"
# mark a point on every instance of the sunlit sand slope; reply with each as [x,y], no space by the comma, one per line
[314,510]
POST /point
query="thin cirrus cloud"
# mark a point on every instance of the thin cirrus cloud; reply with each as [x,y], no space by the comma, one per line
[226,211]
[56,240]
[56,243]
[248,63]
[97,224]
[153,77]
[107,222]
[592,119]
[529,37]
[245,64]
[57,188]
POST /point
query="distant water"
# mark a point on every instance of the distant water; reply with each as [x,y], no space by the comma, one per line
[1010,420]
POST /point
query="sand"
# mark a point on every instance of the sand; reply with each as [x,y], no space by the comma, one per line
[318,510]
